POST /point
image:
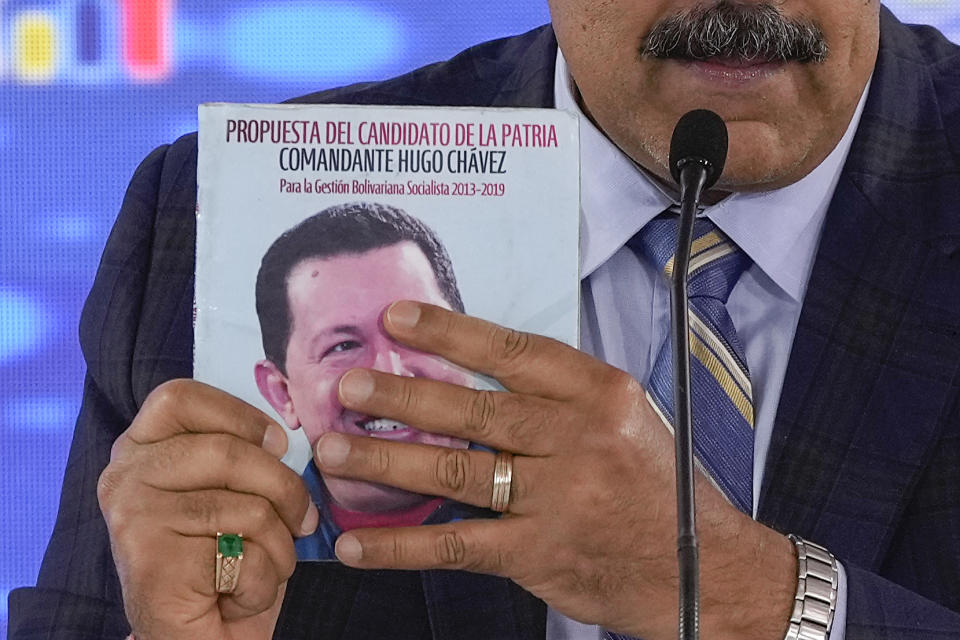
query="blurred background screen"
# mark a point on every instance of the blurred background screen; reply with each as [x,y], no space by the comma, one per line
[87,89]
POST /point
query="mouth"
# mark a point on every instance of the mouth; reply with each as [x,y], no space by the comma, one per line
[386,429]
[733,72]
[381,425]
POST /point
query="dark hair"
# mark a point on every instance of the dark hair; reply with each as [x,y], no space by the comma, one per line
[353,228]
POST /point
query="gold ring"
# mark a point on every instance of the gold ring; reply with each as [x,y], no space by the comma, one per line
[229,555]
[502,477]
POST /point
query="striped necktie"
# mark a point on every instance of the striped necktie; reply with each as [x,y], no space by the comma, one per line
[721,395]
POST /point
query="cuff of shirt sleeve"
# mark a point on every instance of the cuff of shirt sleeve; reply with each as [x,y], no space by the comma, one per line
[839,630]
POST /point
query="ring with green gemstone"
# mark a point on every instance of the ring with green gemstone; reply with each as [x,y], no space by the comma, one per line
[229,555]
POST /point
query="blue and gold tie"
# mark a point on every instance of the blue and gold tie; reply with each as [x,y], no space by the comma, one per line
[721,393]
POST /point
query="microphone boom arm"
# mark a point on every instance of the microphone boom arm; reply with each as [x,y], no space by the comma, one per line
[693,178]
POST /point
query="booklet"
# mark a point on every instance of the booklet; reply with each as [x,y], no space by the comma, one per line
[312,219]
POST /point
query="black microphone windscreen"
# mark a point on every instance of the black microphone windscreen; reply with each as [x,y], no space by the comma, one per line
[701,135]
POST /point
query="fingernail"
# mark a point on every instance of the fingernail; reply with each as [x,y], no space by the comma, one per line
[310,520]
[404,314]
[356,386]
[348,549]
[274,440]
[332,450]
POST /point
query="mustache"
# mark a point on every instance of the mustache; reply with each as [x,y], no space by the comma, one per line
[755,32]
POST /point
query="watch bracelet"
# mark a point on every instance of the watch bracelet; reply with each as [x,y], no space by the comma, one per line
[816,600]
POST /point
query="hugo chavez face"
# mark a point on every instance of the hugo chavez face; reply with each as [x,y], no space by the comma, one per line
[336,304]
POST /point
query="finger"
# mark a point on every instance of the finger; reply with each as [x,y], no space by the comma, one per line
[195,567]
[170,588]
[208,461]
[257,583]
[460,474]
[167,584]
[522,362]
[204,513]
[187,406]
[502,420]
[482,546]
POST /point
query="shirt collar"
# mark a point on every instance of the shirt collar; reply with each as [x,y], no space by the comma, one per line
[779,230]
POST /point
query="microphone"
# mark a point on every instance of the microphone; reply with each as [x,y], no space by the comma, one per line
[699,139]
[698,152]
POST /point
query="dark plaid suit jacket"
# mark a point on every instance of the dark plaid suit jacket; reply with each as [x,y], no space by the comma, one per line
[866,449]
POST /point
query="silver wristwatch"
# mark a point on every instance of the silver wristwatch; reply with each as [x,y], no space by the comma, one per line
[816,599]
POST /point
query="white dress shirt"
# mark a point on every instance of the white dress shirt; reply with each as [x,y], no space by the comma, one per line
[625,301]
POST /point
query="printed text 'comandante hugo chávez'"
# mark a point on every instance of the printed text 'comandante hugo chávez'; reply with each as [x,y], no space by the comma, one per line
[392,147]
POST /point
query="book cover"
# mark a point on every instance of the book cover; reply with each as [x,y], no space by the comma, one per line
[312,219]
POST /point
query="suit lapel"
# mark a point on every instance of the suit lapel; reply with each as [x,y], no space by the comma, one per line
[164,336]
[868,377]
[864,389]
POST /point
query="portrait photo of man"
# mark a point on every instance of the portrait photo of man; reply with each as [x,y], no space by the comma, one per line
[321,290]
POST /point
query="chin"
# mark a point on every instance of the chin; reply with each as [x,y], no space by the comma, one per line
[760,160]
[759,173]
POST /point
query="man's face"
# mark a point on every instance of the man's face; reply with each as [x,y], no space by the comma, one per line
[336,306]
[783,119]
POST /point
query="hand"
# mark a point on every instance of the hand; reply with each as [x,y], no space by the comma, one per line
[196,461]
[591,525]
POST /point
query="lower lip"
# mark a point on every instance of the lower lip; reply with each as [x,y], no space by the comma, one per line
[734,74]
